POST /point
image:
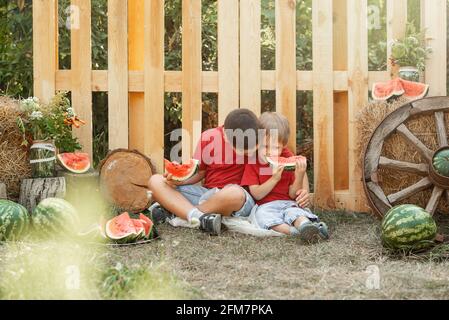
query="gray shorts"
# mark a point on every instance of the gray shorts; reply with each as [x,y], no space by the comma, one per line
[197,194]
[280,212]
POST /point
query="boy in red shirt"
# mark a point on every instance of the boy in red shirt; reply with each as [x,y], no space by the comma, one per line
[223,153]
[275,189]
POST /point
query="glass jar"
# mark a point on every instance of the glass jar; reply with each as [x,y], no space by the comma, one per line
[43,159]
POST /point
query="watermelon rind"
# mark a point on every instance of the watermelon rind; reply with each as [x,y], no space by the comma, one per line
[126,238]
[14,221]
[55,217]
[195,164]
[399,87]
[65,166]
[408,227]
[289,166]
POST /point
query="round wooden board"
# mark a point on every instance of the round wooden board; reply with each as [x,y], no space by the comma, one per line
[124,176]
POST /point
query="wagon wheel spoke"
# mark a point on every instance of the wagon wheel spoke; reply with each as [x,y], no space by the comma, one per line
[410,137]
[441,129]
[423,184]
[421,169]
[432,205]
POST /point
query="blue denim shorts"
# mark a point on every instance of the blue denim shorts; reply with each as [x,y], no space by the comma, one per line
[280,212]
[197,194]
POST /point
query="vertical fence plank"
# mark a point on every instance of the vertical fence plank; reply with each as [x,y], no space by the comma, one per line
[45,45]
[357,94]
[396,26]
[118,73]
[154,82]
[191,75]
[228,57]
[250,55]
[82,69]
[286,64]
[340,55]
[136,21]
[323,108]
[435,23]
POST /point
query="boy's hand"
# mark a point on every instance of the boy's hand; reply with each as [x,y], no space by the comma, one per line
[277,173]
[169,180]
[303,198]
[301,167]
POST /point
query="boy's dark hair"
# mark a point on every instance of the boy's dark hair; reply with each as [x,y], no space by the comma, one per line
[242,121]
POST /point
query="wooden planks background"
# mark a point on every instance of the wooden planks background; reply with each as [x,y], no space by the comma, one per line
[136,79]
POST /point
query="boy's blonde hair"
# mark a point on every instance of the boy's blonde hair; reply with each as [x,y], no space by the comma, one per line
[276,121]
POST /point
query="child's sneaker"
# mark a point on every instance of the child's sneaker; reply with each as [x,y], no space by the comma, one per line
[158,214]
[324,231]
[309,232]
[211,223]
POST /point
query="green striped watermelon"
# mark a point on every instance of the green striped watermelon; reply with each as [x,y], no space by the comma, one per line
[55,217]
[441,162]
[408,227]
[14,220]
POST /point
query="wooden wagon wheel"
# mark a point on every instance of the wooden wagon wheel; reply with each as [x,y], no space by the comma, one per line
[373,160]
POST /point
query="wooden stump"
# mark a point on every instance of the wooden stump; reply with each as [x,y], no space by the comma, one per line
[124,176]
[3,194]
[33,191]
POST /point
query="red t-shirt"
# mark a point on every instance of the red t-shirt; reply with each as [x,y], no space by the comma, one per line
[219,159]
[257,174]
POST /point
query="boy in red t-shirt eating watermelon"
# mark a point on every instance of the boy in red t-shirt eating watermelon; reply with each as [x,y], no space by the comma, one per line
[275,189]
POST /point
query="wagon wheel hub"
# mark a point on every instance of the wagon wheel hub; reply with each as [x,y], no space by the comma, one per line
[374,161]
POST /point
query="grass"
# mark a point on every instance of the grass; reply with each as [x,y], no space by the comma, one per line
[187,264]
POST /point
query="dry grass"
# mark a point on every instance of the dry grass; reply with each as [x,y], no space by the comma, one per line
[14,164]
[395,147]
[188,264]
[234,266]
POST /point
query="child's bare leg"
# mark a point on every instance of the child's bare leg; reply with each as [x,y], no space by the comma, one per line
[224,202]
[282,228]
[300,221]
[169,198]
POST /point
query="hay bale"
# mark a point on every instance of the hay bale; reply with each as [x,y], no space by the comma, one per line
[14,163]
[395,147]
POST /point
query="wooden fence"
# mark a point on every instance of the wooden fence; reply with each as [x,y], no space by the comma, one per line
[136,80]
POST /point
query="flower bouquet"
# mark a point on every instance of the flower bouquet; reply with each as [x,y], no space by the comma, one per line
[47,128]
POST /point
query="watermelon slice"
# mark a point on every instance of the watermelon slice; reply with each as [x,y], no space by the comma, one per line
[383,91]
[147,224]
[414,90]
[123,229]
[75,162]
[289,164]
[182,172]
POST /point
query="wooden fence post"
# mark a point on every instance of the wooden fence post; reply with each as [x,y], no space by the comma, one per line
[357,94]
[323,107]
[250,55]
[286,64]
[45,48]
[435,23]
[191,76]
[81,75]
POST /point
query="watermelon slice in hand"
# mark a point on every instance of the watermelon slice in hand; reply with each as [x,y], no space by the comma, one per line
[181,172]
[74,162]
[289,164]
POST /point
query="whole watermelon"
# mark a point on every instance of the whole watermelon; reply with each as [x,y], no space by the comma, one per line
[408,227]
[441,162]
[55,217]
[14,220]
